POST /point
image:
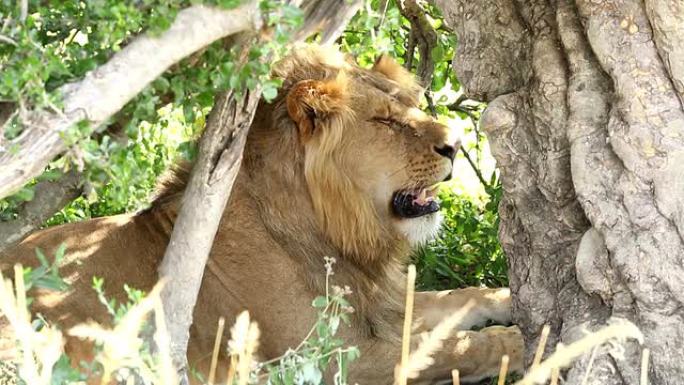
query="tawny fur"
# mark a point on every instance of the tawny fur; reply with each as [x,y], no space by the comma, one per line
[320,167]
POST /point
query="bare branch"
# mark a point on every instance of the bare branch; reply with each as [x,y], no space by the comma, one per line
[329,17]
[107,89]
[204,201]
[424,35]
[49,198]
[6,112]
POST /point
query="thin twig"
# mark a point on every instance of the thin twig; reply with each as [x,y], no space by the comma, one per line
[8,40]
[541,346]
[555,373]
[23,6]
[589,365]
[384,13]
[431,103]
[474,167]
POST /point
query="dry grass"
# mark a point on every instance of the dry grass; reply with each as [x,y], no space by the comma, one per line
[565,355]
[455,377]
[215,353]
[430,342]
[39,350]
[644,366]
[540,371]
[122,344]
[244,341]
[503,370]
[401,374]
[541,346]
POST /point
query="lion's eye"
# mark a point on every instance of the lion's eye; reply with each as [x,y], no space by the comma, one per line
[384,121]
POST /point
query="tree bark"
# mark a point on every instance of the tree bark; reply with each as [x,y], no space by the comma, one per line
[49,197]
[585,120]
[204,200]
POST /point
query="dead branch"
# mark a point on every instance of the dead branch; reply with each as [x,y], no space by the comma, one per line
[423,35]
[50,196]
[204,200]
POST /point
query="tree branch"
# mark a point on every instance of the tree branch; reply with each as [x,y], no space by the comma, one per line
[477,171]
[49,198]
[425,37]
[107,89]
[6,112]
[204,200]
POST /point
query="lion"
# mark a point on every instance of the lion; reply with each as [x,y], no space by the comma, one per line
[342,164]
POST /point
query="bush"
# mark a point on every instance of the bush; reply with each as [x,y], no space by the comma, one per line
[467,251]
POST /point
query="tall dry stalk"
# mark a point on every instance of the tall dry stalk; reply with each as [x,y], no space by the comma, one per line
[38,350]
[541,346]
[503,371]
[455,377]
[215,353]
[645,354]
[400,374]
[431,342]
[564,355]
[555,373]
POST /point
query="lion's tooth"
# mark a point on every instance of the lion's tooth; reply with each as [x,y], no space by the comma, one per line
[423,195]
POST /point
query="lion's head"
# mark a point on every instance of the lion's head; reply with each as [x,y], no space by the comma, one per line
[370,157]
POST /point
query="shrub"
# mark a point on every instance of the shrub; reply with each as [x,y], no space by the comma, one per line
[467,251]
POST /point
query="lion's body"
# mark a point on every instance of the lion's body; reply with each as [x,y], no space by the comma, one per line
[297,199]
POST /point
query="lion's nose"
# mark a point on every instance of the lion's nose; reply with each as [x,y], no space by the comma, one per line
[446,151]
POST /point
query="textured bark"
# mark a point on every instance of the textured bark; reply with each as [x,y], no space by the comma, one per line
[204,200]
[423,36]
[586,122]
[50,197]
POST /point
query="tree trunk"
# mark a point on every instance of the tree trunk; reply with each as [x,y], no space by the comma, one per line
[586,122]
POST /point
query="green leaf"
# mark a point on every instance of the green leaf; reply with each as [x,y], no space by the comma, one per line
[25,194]
[320,302]
[269,93]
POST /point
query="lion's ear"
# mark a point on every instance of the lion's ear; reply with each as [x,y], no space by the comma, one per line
[311,102]
[409,90]
[389,67]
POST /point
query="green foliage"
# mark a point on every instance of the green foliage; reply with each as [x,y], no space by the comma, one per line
[467,251]
[46,275]
[306,363]
[122,174]
[67,39]
[117,310]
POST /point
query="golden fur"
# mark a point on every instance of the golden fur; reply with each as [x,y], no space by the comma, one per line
[320,167]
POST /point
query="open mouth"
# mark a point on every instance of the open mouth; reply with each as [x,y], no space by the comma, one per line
[415,203]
